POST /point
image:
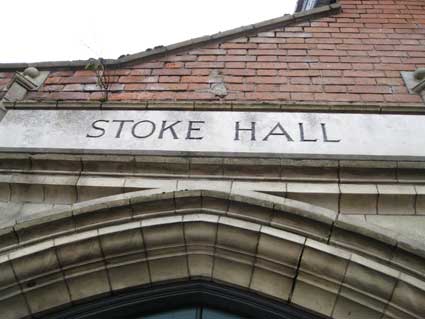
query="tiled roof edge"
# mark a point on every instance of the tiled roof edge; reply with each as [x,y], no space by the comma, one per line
[233,33]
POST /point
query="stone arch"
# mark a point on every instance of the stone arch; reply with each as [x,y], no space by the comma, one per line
[285,250]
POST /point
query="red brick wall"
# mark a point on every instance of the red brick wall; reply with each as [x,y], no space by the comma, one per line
[354,56]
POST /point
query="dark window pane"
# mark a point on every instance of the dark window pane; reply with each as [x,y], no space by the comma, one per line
[215,314]
[175,314]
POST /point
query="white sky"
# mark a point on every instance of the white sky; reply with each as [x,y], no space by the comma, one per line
[48,30]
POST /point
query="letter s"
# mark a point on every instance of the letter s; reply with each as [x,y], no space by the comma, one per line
[102,130]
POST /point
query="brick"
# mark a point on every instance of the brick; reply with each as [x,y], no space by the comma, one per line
[302,96]
[266,96]
[336,97]
[73,87]
[212,65]
[195,96]
[166,87]
[149,65]
[369,89]
[140,72]
[266,72]
[138,79]
[267,58]
[374,74]
[298,65]
[267,80]
[208,52]
[235,65]
[240,72]
[236,58]
[301,88]
[331,66]
[69,96]
[169,79]
[195,79]
[180,58]
[173,65]
[172,71]
[267,65]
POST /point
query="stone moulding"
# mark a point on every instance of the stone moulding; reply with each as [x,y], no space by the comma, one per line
[281,248]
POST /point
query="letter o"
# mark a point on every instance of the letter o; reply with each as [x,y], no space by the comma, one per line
[133,130]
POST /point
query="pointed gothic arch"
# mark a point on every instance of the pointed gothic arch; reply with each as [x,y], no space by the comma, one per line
[284,250]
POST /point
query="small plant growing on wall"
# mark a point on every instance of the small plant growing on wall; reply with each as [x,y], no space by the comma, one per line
[103,76]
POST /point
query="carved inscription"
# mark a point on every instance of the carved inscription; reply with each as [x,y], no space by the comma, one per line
[195,130]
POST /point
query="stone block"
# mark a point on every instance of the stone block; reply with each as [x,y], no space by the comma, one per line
[9,212]
[170,268]
[311,296]
[409,261]
[30,211]
[128,274]
[271,283]
[87,283]
[272,188]
[396,199]
[350,309]
[313,170]
[204,184]
[324,261]
[15,161]
[367,171]
[84,250]
[214,200]
[200,265]
[200,166]
[242,242]
[103,217]
[60,194]
[280,251]
[34,261]
[328,201]
[410,171]
[48,297]
[138,183]
[269,168]
[5,192]
[164,239]
[161,165]
[407,225]
[231,271]
[122,242]
[409,295]
[200,235]
[369,282]
[154,204]
[187,200]
[108,163]
[56,162]
[358,199]
[250,209]
[56,222]
[420,199]
[298,224]
[27,193]
[90,192]
[361,244]
[14,307]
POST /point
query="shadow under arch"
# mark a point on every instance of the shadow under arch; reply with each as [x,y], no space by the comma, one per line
[285,250]
[180,295]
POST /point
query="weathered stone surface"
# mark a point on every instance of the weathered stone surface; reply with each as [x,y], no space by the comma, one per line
[319,134]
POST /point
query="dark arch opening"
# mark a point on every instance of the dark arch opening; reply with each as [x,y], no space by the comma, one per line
[165,297]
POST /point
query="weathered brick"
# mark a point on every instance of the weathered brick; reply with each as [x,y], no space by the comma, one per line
[138,79]
[212,65]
